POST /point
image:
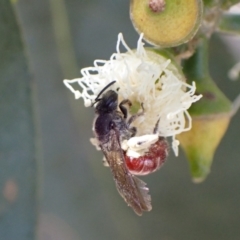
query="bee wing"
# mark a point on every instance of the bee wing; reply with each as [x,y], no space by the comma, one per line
[132,189]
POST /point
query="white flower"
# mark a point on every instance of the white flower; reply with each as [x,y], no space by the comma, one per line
[142,76]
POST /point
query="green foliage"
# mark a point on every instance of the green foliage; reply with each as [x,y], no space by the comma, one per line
[225,4]
[230,23]
[18,169]
[228,3]
[196,69]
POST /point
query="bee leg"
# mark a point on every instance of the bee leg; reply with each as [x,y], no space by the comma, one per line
[105,163]
[134,117]
[133,131]
[155,130]
[156,126]
[124,109]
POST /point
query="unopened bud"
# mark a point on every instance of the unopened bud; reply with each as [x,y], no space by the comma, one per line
[166,23]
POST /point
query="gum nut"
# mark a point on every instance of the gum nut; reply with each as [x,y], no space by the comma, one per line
[174,23]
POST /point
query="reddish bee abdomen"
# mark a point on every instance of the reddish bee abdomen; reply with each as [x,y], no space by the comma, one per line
[150,161]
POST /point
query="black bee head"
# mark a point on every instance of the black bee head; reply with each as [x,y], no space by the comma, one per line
[108,103]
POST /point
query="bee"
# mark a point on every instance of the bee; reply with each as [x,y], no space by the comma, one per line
[111,127]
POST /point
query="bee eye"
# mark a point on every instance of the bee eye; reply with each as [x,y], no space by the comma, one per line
[112,105]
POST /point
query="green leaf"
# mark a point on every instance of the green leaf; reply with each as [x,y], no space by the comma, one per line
[210,115]
[196,69]
[18,168]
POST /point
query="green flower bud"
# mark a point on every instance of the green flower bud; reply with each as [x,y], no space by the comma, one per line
[166,23]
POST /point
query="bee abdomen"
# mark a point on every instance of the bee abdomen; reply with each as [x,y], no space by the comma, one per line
[151,161]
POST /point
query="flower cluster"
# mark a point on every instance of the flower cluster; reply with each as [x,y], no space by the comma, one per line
[142,76]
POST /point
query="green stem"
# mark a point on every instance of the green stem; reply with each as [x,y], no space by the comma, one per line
[196,67]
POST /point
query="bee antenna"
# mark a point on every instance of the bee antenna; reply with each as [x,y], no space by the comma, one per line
[97,99]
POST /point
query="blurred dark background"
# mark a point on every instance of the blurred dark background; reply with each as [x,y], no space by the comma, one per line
[77,198]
